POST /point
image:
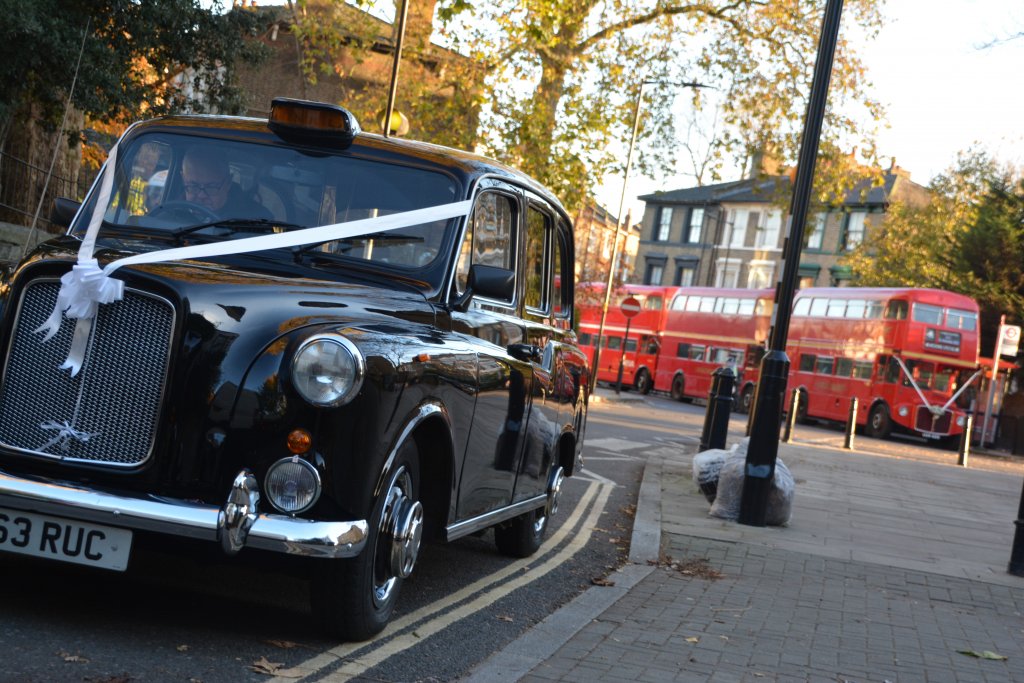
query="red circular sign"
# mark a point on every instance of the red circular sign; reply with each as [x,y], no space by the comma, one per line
[630,306]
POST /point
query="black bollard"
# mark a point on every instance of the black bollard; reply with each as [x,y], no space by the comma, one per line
[965,440]
[716,419]
[794,406]
[851,424]
[1017,551]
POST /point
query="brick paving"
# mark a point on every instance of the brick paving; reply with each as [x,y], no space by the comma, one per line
[888,570]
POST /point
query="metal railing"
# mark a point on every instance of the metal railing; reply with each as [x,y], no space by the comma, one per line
[21,184]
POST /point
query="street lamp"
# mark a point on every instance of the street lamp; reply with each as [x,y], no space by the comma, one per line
[386,120]
[618,220]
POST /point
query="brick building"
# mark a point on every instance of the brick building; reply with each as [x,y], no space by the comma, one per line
[731,234]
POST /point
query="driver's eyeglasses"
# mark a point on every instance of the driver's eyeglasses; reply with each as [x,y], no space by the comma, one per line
[206,188]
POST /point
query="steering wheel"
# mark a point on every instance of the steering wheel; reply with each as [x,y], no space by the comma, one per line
[179,207]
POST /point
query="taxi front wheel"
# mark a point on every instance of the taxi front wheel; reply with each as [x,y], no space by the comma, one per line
[353,599]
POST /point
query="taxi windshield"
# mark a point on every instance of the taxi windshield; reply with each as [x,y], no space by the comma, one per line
[216,189]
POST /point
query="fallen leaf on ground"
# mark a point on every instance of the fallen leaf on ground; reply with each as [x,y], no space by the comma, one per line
[264,666]
[598,581]
[505,617]
[182,648]
[693,639]
[987,654]
[283,644]
[72,658]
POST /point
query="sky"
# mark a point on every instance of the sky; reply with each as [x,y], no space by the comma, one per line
[942,91]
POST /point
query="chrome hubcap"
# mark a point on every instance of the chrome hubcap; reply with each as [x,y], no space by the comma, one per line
[554,491]
[406,534]
[399,535]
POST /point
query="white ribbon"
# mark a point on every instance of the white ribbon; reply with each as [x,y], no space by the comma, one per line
[65,432]
[87,286]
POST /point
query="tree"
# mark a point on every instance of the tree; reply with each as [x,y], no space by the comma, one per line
[582,62]
[137,59]
[968,239]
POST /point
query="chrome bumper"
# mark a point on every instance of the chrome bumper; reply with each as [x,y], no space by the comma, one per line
[234,525]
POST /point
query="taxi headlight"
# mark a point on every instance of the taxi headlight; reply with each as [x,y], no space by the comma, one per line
[328,370]
[292,485]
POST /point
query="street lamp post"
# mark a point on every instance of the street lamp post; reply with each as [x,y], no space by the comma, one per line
[619,230]
[771,388]
[392,91]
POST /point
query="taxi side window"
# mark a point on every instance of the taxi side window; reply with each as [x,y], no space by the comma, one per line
[538,239]
[489,238]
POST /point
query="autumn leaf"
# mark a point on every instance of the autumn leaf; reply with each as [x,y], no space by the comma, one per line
[505,617]
[283,644]
[693,639]
[72,658]
[598,581]
[986,654]
[182,648]
[264,666]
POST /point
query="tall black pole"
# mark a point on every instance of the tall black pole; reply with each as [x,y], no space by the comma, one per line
[771,389]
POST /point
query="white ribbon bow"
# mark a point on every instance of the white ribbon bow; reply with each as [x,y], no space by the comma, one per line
[87,285]
[65,432]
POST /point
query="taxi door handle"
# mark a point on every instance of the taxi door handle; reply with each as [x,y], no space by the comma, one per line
[527,352]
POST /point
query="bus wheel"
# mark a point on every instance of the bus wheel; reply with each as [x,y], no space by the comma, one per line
[801,410]
[678,386]
[746,399]
[879,423]
[643,383]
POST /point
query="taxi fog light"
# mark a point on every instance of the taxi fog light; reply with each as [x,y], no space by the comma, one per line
[292,485]
[903,411]
[328,370]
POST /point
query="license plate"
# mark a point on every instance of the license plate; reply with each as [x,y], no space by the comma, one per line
[67,540]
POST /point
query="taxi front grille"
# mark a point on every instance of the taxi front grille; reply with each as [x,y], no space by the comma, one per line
[108,412]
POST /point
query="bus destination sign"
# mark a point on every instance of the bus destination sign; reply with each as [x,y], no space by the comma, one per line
[942,340]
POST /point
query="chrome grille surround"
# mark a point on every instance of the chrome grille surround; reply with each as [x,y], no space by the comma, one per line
[112,406]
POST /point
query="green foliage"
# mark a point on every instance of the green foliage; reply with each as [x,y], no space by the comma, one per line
[968,239]
[584,61]
[132,53]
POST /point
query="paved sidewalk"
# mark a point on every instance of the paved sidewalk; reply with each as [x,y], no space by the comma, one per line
[888,570]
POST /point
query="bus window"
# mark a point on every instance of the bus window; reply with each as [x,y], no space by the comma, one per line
[924,313]
[764,307]
[679,303]
[693,303]
[614,343]
[855,308]
[807,362]
[631,344]
[922,373]
[695,352]
[944,379]
[893,372]
[818,307]
[650,344]
[896,310]
[824,365]
[836,308]
[727,304]
[862,369]
[747,306]
[585,339]
[754,355]
[961,320]
[801,308]
[722,356]
[654,302]
[844,367]
[874,310]
[707,304]
[682,350]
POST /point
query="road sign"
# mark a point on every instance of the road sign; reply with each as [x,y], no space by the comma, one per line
[1009,338]
[630,306]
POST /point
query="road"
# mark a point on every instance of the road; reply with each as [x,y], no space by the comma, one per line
[183,615]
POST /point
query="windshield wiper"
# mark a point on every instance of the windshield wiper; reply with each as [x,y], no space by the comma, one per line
[349,242]
[239,223]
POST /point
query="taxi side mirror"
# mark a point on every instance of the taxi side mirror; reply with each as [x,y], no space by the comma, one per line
[487,281]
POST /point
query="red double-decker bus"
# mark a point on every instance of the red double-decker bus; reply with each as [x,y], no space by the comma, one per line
[910,356]
[706,328]
[637,352]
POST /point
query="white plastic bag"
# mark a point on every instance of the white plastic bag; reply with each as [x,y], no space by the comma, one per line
[706,466]
[730,490]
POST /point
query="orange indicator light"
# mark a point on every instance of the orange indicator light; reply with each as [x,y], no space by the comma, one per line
[299,441]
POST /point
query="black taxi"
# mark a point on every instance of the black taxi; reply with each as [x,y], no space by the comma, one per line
[289,335]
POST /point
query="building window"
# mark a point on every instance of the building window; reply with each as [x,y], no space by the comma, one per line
[664,224]
[686,273]
[855,229]
[768,234]
[760,274]
[696,223]
[735,232]
[817,235]
[727,273]
[654,273]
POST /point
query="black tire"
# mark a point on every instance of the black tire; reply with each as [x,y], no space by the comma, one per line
[643,382]
[353,598]
[678,391]
[746,402]
[522,536]
[879,423]
[801,409]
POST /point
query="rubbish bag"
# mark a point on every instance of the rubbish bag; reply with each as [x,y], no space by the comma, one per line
[730,490]
[706,466]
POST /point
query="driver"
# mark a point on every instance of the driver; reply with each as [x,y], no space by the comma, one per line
[207,182]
